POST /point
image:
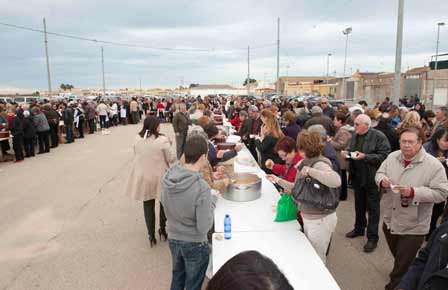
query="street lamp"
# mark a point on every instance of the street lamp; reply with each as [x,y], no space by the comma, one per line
[440,24]
[346,32]
[328,66]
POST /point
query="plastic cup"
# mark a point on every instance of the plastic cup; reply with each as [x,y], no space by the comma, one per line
[395,188]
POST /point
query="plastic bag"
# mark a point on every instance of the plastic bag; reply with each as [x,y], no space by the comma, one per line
[286,209]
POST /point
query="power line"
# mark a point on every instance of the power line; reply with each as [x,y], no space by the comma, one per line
[126,44]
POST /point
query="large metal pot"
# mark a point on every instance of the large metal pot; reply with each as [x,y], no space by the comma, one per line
[243,187]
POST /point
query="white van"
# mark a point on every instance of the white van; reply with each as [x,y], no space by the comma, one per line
[6,100]
[26,99]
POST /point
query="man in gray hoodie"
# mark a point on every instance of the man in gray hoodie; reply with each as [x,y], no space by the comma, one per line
[189,207]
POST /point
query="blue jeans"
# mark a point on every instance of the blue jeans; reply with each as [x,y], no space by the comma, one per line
[190,261]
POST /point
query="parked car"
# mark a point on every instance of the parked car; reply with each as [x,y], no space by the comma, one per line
[6,100]
[26,99]
[336,103]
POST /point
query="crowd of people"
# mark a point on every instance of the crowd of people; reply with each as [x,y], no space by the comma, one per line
[398,154]
[45,125]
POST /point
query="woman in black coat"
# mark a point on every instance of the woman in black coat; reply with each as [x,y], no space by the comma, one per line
[270,134]
[29,134]
[385,126]
[438,147]
[16,127]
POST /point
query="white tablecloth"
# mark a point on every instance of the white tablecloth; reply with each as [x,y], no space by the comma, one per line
[290,250]
[253,228]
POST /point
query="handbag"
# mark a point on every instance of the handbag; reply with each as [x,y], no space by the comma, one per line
[312,194]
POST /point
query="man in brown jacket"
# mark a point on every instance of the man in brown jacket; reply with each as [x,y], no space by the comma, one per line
[413,181]
[181,121]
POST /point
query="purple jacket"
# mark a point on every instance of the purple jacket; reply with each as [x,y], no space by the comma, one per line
[292,130]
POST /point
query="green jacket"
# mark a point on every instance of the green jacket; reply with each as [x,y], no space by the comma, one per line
[181,121]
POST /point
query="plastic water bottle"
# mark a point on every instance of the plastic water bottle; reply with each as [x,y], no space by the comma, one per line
[227,228]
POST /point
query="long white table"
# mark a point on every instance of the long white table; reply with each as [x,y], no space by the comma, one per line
[253,228]
[290,250]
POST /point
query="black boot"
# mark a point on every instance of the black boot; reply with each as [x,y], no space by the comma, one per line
[164,234]
[354,233]
[152,241]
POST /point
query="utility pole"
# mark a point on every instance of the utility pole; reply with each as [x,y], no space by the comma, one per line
[102,65]
[141,93]
[48,60]
[397,81]
[278,57]
[328,66]
[248,71]
[346,32]
[181,84]
[440,24]
[438,42]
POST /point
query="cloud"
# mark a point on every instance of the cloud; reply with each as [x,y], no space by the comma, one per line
[309,31]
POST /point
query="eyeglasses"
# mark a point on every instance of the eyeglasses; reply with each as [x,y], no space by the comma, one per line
[408,142]
[282,155]
[324,103]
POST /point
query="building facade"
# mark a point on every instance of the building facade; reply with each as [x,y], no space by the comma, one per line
[308,85]
[430,86]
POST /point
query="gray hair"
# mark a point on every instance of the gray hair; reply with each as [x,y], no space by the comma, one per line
[244,114]
[319,129]
[356,113]
[444,110]
[197,131]
[365,119]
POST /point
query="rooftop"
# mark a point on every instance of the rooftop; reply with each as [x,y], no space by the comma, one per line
[213,87]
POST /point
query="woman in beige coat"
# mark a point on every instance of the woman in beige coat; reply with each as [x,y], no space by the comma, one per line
[340,142]
[152,157]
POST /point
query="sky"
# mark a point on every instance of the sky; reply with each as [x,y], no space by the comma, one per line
[203,41]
